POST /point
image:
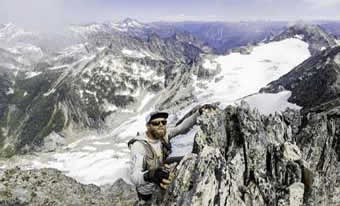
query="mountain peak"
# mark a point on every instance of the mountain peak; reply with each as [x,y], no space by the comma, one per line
[128,19]
[129,22]
[10,31]
[9,27]
[302,28]
[314,35]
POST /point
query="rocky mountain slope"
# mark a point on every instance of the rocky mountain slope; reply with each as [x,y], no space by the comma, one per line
[317,38]
[314,83]
[79,90]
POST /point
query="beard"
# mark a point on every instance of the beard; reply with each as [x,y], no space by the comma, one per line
[158,133]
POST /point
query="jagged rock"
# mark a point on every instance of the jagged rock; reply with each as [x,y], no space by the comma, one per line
[244,158]
[203,179]
[296,192]
[212,132]
[121,193]
[291,152]
[51,187]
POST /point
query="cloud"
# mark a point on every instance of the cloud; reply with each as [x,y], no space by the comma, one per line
[322,3]
[50,14]
[33,13]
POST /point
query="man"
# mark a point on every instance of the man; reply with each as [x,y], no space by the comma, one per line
[149,151]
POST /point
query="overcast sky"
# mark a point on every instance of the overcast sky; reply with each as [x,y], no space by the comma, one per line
[53,13]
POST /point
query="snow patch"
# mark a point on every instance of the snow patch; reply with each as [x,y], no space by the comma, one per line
[10,91]
[299,36]
[208,64]
[337,41]
[101,143]
[51,91]
[268,103]
[146,99]
[58,67]
[133,53]
[32,74]
[89,148]
[83,166]
[108,107]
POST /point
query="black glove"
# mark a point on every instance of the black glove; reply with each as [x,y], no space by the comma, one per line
[156,175]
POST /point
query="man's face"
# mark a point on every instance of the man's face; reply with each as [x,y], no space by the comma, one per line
[157,128]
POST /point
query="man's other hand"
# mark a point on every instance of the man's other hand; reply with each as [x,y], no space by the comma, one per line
[166,182]
[156,175]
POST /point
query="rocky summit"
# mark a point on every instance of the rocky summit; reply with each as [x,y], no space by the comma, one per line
[240,157]
[243,158]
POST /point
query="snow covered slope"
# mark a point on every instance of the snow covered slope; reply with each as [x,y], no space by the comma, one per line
[241,75]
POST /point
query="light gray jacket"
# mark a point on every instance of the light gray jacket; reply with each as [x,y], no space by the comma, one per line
[138,154]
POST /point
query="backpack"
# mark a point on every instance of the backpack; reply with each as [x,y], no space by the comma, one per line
[150,160]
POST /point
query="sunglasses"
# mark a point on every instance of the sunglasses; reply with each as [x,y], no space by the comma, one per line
[157,123]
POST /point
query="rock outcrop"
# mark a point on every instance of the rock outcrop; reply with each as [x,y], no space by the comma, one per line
[51,187]
[243,158]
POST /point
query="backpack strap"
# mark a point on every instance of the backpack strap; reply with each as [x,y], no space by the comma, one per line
[150,160]
[150,152]
[166,149]
[131,141]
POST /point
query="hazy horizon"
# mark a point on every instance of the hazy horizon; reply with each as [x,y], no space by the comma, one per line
[51,14]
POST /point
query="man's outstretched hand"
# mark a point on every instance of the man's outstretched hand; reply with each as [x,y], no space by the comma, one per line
[207,106]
